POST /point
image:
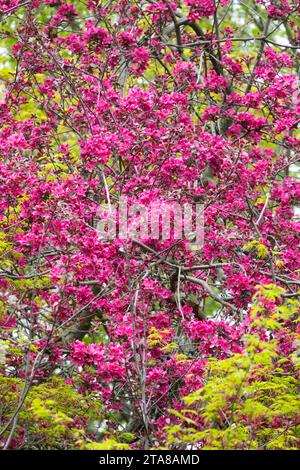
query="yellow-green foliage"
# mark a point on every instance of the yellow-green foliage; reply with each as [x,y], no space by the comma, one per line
[54,415]
[107,444]
[258,248]
[249,400]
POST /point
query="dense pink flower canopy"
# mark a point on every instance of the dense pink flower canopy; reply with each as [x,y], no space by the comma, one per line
[158,102]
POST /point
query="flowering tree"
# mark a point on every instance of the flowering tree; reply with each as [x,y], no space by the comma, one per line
[149,342]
